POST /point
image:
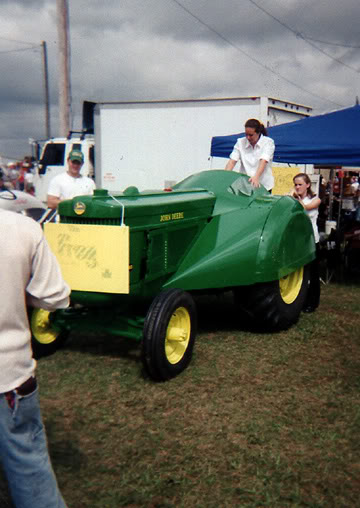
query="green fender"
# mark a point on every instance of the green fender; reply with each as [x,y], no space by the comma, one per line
[287,241]
[245,246]
[224,254]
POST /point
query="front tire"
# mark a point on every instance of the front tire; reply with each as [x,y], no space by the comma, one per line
[276,305]
[169,334]
[45,339]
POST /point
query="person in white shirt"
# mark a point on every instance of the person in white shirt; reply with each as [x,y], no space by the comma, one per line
[255,152]
[71,183]
[30,276]
[303,193]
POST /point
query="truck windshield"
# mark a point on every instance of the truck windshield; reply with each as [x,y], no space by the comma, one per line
[53,154]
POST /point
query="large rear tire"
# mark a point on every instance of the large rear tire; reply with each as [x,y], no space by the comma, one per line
[45,339]
[276,305]
[169,334]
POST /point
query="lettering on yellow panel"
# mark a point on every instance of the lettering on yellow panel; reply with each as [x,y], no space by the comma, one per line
[86,253]
[92,258]
[283,176]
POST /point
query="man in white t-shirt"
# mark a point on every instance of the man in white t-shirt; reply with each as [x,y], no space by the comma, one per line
[70,184]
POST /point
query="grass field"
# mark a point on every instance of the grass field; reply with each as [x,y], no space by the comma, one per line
[269,420]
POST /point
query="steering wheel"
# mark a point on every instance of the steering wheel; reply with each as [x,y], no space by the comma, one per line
[8,194]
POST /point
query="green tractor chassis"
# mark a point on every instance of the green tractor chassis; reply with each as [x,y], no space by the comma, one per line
[134,261]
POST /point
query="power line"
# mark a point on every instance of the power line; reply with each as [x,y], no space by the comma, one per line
[327,54]
[34,48]
[253,58]
[19,42]
[330,43]
[301,36]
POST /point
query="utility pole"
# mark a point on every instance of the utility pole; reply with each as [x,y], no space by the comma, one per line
[46,90]
[64,74]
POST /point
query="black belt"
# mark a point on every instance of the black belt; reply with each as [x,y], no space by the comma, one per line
[26,388]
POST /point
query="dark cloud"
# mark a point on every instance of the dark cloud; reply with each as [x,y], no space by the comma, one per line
[156,49]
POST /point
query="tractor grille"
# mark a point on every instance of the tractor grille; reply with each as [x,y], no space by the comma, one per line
[90,220]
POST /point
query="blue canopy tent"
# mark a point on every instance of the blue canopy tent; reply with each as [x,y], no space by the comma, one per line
[329,139]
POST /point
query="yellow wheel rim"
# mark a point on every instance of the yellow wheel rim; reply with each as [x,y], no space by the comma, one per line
[41,327]
[290,285]
[177,335]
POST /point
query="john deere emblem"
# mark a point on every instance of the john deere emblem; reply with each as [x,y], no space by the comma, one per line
[79,208]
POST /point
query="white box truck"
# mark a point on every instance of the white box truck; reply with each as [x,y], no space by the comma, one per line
[153,144]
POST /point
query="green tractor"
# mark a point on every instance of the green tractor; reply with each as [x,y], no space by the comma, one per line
[135,261]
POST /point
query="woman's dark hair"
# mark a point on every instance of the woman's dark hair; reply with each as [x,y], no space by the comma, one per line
[307,180]
[258,126]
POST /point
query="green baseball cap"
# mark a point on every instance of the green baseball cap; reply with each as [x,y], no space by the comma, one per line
[76,155]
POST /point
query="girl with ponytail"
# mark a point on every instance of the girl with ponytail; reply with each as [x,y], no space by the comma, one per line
[303,193]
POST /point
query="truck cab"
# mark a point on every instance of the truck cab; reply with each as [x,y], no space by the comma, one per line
[53,160]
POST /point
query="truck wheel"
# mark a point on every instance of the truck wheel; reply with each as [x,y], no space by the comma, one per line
[45,339]
[169,334]
[276,305]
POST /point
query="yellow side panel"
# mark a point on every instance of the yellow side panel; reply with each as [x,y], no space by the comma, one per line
[283,176]
[92,258]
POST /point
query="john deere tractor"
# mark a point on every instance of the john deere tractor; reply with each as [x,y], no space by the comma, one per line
[135,260]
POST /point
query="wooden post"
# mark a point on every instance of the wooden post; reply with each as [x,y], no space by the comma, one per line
[46,90]
[64,75]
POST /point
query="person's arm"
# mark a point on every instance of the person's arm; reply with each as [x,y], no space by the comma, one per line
[55,193]
[314,203]
[46,288]
[230,165]
[266,155]
[52,201]
[235,156]
[255,180]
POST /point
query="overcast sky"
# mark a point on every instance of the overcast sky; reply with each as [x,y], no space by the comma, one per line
[304,51]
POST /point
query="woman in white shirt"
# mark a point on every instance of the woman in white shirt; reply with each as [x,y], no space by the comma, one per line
[255,152]
[306,197]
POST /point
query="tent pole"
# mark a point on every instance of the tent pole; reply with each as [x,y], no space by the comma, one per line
[331,194]
[340,201]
